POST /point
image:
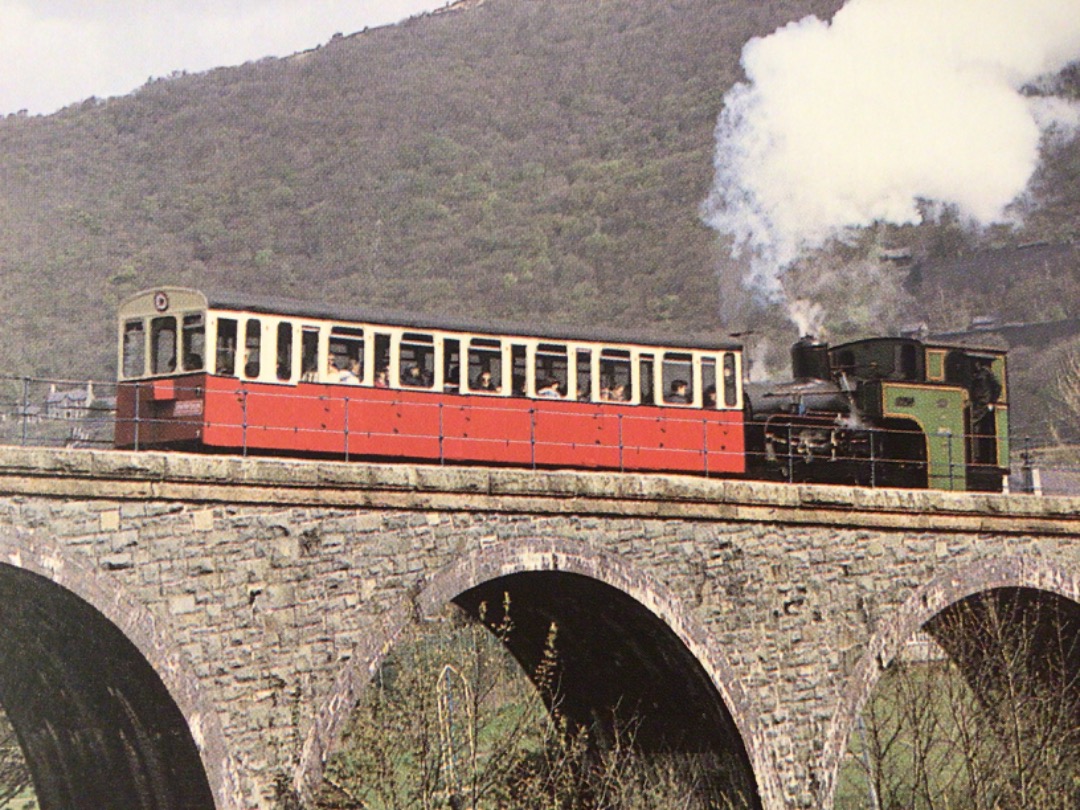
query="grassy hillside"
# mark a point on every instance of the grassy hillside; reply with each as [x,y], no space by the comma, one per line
[522,159]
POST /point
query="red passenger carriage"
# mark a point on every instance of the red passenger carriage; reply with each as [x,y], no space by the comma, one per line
[243,374]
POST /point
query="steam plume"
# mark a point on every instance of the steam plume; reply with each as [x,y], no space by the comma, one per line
[889,109]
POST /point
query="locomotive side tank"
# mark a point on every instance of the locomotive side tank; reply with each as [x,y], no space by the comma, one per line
[885,412]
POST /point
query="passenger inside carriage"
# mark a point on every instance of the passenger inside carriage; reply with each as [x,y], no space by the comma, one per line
[382,378]
[616,392]
[710,397]
[549,389]
[351,375]
[339,369]
[679,393]
[485,382]
[414,377]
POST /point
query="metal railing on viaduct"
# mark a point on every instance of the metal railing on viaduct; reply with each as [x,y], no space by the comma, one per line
[191,632]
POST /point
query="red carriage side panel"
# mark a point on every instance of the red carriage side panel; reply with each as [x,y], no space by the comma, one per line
[725,444]
[570,434]
[318,419]
[680,440]
[160,413]
[390,424]
[487,430]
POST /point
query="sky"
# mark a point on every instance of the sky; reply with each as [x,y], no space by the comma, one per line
[58,52]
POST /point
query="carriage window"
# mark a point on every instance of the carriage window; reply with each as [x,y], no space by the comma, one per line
[551,371]
[518,360]
[584,374]
[382,361]
[163,345]
[646,379]
[194,341]
[678,375]
[731,381]
[252,338]
[615,375]
[485,366]
[451,365]
[284,350]
[708,382]
[226,347]
[134,349]
[417,360]
[309,354]
[346,363]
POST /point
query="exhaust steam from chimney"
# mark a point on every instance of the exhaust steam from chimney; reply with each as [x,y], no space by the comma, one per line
[893,110]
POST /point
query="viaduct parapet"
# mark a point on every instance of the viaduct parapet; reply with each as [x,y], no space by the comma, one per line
[205,624]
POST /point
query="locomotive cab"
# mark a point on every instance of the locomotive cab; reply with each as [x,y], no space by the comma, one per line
[940,412]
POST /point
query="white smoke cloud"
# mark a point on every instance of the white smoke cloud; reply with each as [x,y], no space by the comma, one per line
[891,105]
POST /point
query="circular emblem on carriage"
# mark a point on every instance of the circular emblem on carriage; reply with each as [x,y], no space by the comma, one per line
[161,301]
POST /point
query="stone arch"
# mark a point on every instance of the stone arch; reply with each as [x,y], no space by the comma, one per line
[948,588]
[544,556]
[103,702]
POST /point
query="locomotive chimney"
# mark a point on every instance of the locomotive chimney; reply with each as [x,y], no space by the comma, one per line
[810,359]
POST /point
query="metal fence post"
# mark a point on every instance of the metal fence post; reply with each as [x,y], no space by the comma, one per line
[244,421]
[949,438]
[622,465]
[1031,479]
[532,435]
[705,443]
[138,397]
[346,427]
[442,434]
[873,457]
[790,456]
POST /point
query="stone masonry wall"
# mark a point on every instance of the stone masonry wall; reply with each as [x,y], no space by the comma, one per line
[267,590]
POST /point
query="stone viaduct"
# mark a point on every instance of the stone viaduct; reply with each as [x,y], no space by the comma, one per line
[180,631]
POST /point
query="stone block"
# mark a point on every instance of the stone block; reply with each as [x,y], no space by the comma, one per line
[110,520]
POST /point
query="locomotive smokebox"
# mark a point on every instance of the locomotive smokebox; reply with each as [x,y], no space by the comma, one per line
[810,359]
